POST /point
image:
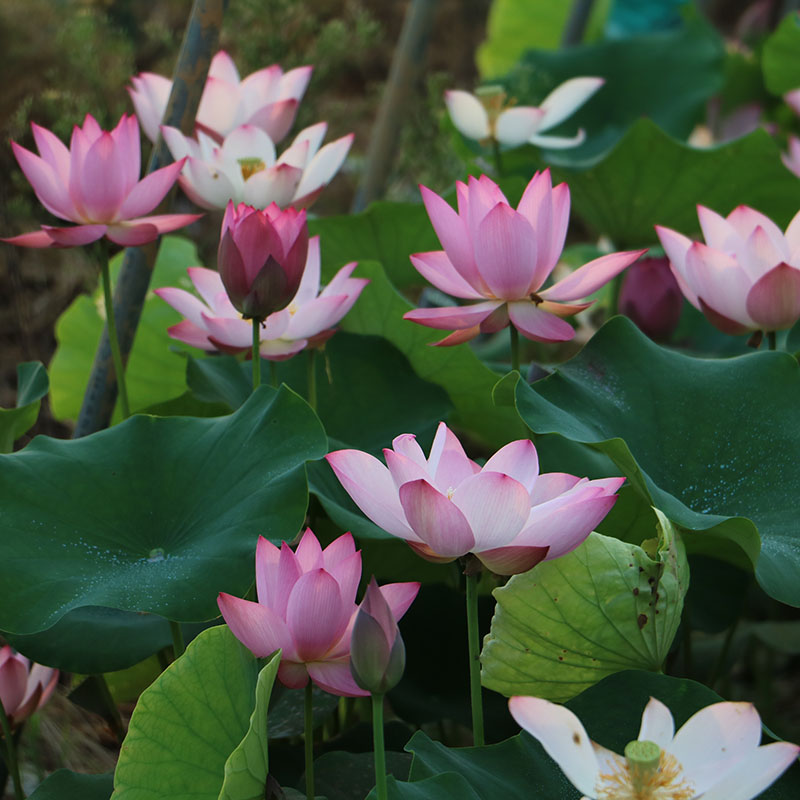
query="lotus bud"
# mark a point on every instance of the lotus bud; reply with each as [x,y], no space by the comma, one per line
[651,297]
[377,652]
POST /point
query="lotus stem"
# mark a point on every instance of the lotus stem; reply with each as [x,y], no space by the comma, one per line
[312,377]
[474,660]
[256,353]
[514,346]
[11,754]
[309,739]
[378,746]
[113,339]
[178,645]
[771,340]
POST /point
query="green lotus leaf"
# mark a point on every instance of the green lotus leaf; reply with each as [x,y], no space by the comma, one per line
[155,515]
[781,57]
[605,607]
[67,785]
[710,443]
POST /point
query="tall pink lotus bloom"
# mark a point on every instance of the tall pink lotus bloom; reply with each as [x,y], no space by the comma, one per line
[268,99]
[96,184]
[24,687]
[445,506]
[261,257]
[487,116]
[309,320]
[245,169]
[306,608]
[503,257]
[746,277]
[714,756]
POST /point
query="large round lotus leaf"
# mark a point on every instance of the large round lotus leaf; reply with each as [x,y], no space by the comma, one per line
[610,711]
[155,514]
[781,58]
[66,785]
[194,727]
[713,444]
[651,179]
[605,607]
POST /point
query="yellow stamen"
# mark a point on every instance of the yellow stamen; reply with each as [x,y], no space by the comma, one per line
[250,166]
[664,782]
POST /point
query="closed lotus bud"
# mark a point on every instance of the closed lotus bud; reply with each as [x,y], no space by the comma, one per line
[261,257]
[24,687]
[651,297]
[377,652]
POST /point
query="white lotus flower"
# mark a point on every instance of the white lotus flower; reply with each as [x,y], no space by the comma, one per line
[485,114]
[245,167]
[714,756]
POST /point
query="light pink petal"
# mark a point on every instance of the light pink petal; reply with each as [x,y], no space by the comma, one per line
[453,317]
[517,459]
[150,94]
[745,220]
[162,223]
[273,185]
[718,232]
[505,252]
[760,253]
[316,316]
[347,573]
[590,277]
[207,186]
[150,191]
[309,283]
[774,301]
[43,679]
[714,740]
[222,67]
[458,337]
[53,151]
[564,526]
[511,560]
[533,323]
[48,185]
[755,772]
[676,246]
[323,166]
[275,583]
[191,334]
[719,281]
[436,520]
[536,206]
[335,677]
[468,114]
[58,237]
[309,552]
[128,147]
[180,146]
[448,464]
[483,195]
[404,469]
[455,239]
[516,125]
[315,614]
[268,558]
[406,445]
[184,303]
[229,332]
[339,550]
[218,107]
[657,724]
[400,596]
[552,484]
[566,99]
[307,142]
[496,507]
[257,627]
[292,674]
[793,231]
[102,182]
[370,485]
[293,84]
[563,737]
[437,269]
[275,118]
[558,142]
[209,285]
[248,141]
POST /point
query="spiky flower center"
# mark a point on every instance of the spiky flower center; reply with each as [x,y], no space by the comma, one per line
[646,773]
[250,166]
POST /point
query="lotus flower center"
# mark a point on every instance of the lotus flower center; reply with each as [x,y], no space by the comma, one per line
[645,773]
[250,166]
[292,309]
[450,492]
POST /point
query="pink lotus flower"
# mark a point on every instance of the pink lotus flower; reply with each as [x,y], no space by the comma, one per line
[503,257]
[377,651]
[306,608]
[651,297]
[261,257]
[714,756]
[214,324]
[96,184]
[747,275]
[485,115]
[505,513]
[245,169]
[24,687]
[267,99]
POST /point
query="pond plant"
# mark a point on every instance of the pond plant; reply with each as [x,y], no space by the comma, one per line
[612,499]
